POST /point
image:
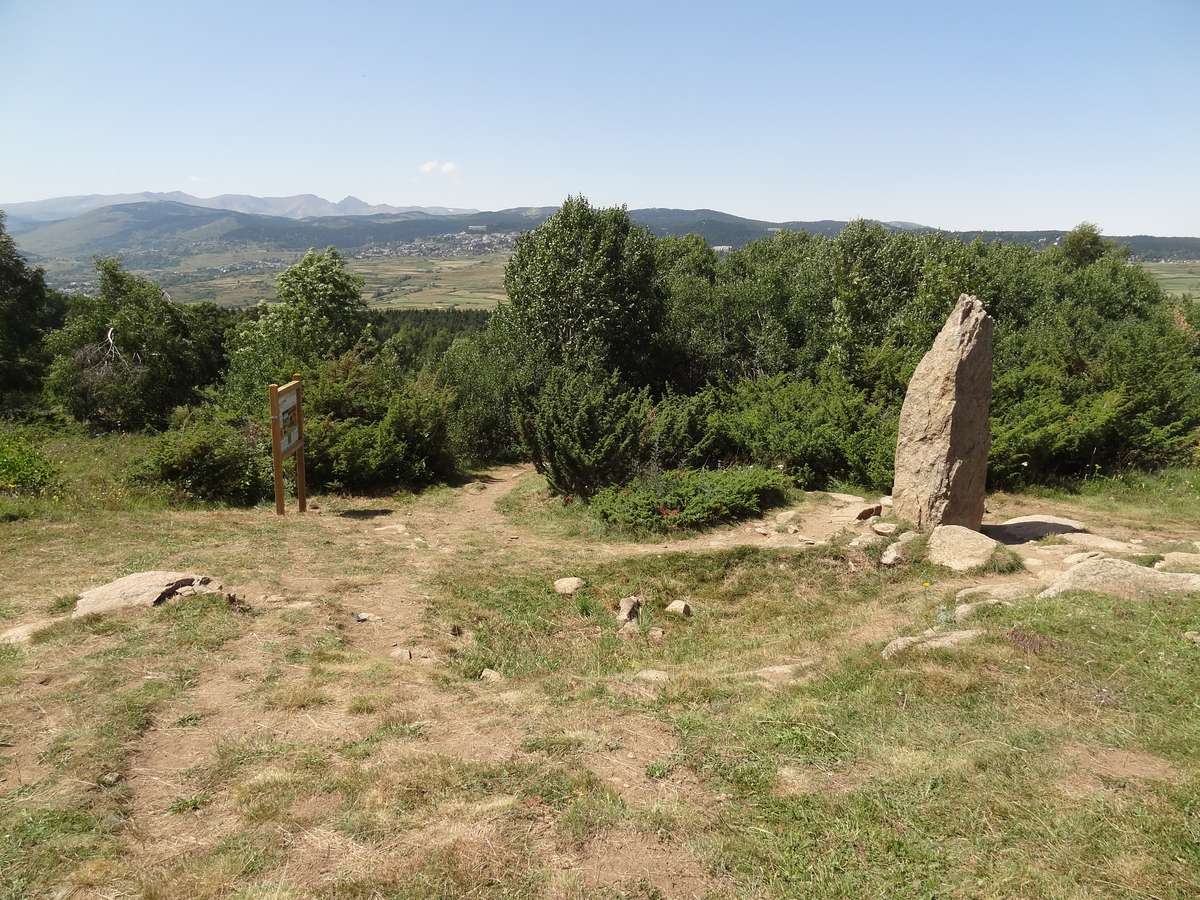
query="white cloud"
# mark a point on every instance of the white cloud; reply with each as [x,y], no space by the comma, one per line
[438,167]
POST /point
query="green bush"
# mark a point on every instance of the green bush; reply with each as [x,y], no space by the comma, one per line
[586,430]
[209,460]
[24,469]
[815,430]
[686,499]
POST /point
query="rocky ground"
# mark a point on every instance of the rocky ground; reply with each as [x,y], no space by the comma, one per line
[411,699]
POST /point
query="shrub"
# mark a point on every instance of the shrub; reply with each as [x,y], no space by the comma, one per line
[24,469]
[683,499]
[210,460]
[484,389]
[815,430]
[586,430]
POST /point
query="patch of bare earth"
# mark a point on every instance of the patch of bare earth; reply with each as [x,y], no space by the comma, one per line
[1092,770]
[629,860]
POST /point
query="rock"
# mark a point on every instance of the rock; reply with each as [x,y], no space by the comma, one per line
[567,586]
[959,548]
[943,442]
[964,611]
[654,676]
[931,639]
[629,608]
[885,528]
[656,635]
[1179,562]
[680,608]
[886,501]
[21,634]
[629,630]
[765,532]
[787,517]
[1099,542]
[871,511]
[1074,559]
[900,644]
[366,617]
[398,528]
[1120,578]
[298,605]
[951,639]
[1000,591]
[110,779]
[783,672]
[870,539]
[145,589]
[1193,636]
[490,675]
[1031,528]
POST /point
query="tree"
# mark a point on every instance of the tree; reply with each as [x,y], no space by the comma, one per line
[126,357]
[583,283]
[1083,245]
[320,315]
[23,308]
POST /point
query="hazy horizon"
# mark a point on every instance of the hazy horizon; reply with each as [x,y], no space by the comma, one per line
[1021,118]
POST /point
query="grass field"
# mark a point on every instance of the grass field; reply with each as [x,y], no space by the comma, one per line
[1177,277]
[401,281]
[762,748]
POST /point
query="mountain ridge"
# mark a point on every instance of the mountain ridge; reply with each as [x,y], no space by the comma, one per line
[175,227]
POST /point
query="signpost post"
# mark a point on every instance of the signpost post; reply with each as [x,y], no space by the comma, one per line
[287,437]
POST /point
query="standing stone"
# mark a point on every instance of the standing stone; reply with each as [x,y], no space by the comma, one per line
[942,448]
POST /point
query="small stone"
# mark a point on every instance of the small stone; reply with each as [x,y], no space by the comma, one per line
[654,676]
[884,528]
[398,528]
[490,675]
[907,538]
[567,586]
[886,501]
[765,532]
[1193,636]
[680,608]
[366,617]
[899,645]
[629,608]
[787,517]
[656,635]
[110,779]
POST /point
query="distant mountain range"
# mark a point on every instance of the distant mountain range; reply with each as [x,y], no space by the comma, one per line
[165,225]
[25,216]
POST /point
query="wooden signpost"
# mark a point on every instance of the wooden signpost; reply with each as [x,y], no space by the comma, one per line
[287,437]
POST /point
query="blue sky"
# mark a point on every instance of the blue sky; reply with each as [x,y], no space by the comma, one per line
[1008,114]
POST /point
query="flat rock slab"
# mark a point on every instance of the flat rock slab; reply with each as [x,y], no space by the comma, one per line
[1031,528]
[143,589]
[21,634]
[931,640]
[1179,562]
[567,586]
[1100,542]
[1121,578]
[959,548]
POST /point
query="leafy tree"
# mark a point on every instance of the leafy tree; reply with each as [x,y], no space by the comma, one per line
[583,283]
[23,315]
[126,357]
[1083,245]
[320,315]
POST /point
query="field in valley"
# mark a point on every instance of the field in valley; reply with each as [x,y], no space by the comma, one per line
[1177,277]
[330,734]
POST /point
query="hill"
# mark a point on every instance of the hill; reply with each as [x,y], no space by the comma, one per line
[174,227]
[26,216]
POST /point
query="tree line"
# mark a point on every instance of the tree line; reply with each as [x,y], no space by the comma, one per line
[620,355]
